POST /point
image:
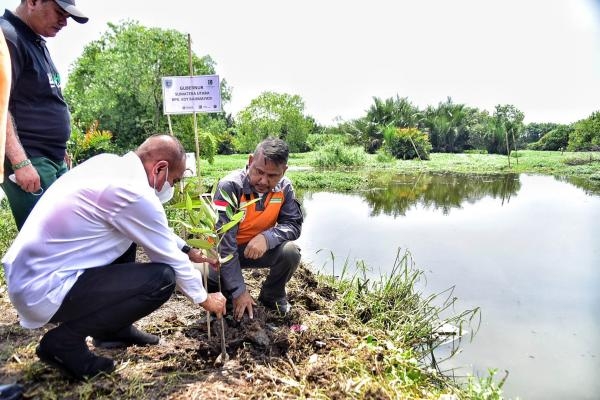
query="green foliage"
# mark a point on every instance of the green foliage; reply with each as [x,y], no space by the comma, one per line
[8,231]
[225,143]
[338,155]
[556,139]
[273,115]
[477,127]
[407,143]
[392,112]
[398,112]
[534,131]
[363,133]
[448,126]
[392,304]
[83,146]
[586,135]
[485,388]
[384,157]
[316,141]
[196,218]
[117,82]
[207,139]
[505,126]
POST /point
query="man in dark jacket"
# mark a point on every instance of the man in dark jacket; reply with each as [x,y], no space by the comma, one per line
[264,237]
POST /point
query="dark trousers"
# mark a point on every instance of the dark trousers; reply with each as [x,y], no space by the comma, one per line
[21,202]
[282,262]
[107,299]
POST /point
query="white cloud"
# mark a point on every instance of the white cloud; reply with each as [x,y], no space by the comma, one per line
[541,56]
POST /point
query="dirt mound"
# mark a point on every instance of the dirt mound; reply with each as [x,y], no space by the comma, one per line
[264,353]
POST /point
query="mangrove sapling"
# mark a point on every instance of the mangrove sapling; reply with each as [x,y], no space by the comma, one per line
[199,223]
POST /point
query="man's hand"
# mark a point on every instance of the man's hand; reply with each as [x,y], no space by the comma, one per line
[215,302]
[28,179]
[256,247]
[241,304]
[198,256]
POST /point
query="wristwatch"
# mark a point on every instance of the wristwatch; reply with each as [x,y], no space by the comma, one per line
[186,249]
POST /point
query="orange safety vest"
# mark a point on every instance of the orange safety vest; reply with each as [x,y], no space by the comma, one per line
[256,221]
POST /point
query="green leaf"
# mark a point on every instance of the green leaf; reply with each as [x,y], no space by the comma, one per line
[234,221]
[250,202]
[223,260]
[201,244]
[231,201]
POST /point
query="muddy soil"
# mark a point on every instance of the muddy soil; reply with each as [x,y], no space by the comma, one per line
[269,356]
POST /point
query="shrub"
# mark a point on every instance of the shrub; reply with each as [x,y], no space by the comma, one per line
[83,146]
[407,143]
[556,139]
[383,156]
[225,143]
[334,155]
[476,151]
[586,135]
[315,141]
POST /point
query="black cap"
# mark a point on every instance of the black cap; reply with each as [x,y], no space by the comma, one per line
[69,6]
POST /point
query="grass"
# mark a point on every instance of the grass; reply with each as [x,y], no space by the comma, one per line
[8,232]
[362,340]
[371,339]
[578,165]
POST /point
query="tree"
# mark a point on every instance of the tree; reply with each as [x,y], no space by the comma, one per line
[117,82]
[396,112]
[276,115]
[507,121]
[534,131]
[586,135]
[477,125]
[556,139]
[407,143]
[447,126]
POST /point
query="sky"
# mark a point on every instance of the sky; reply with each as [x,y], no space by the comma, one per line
[542,56]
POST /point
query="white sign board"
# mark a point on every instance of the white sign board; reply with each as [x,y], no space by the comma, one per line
[190,165]
[189,94]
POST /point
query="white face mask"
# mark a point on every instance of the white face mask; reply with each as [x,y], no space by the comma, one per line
[167,191]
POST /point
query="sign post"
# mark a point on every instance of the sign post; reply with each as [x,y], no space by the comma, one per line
[190,94]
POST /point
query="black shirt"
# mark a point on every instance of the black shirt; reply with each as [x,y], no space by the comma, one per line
[36,102]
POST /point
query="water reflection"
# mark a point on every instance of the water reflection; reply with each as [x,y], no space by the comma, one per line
[395,194]
[525,249]
[588,185]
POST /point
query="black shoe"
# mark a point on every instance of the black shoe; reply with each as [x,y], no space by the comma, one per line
[280,304]
[126,337]
[11,391]
[71,355]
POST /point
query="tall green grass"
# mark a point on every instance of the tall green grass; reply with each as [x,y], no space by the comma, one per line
[404,328]
[394,304]
[8,232]
[339,155]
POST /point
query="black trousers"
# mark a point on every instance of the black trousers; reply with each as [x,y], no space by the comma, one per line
[109,298]
[282,261]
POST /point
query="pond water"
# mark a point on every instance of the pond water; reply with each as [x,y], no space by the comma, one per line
[524,248]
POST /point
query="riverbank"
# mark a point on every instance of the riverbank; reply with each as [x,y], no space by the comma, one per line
[582,168]
[349,338]
[345,338]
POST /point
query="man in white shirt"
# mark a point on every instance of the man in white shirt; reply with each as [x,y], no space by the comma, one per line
[73,262]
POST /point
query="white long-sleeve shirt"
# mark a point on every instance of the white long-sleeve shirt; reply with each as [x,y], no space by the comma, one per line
[86,219]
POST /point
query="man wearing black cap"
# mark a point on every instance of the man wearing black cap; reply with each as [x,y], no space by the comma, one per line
[39,119]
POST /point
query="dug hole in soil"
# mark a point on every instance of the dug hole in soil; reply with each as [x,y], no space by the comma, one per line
[263,353]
